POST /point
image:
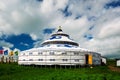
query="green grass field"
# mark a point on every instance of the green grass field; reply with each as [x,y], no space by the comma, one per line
[15,72]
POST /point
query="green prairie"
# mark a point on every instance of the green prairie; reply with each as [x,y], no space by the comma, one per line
[16,72]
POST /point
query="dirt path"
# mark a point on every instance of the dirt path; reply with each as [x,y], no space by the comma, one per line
[114,68]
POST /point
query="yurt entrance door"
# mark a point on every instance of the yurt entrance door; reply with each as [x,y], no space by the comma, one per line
[86,58]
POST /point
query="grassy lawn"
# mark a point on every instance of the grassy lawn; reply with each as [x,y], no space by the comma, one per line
[15,72]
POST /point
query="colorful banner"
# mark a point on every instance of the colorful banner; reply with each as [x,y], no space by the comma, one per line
[16,52]
[1,51]
[6,52]
[11,53]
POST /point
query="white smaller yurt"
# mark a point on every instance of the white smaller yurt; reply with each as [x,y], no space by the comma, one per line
[104,60]
[118,62]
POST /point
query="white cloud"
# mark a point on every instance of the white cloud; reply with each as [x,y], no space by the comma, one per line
[24,18]
[111,28]
[5,44]
[31,17]
[107,46]
[33,36]
[25,44]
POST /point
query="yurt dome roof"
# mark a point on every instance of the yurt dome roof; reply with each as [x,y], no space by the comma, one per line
[60,38]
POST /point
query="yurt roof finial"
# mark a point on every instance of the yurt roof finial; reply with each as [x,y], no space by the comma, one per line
[59,29]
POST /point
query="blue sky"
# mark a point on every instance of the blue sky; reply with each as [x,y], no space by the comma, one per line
[94,24]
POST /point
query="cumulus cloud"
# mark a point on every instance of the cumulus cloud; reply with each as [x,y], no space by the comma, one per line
[6,44]
[20,17]
[33,36]
[111,28]
[107,47]
[32,17]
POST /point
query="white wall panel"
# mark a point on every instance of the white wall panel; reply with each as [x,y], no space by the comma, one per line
[78,57]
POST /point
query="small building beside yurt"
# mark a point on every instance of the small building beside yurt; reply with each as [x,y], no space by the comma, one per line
[104,61]
[118,62]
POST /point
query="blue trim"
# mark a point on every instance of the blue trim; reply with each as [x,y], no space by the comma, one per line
[67,45]
[55,37]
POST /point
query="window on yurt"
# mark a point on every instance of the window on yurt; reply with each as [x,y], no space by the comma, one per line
[30,59]
[52,59]
[76,53]
[76,60]
[40,59]
[30,53]
[23,59]
[65,59]
[51,53]
[58,45]
[23,53]
[64,53]
[39,53]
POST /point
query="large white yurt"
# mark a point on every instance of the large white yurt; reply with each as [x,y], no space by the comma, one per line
[59,49]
